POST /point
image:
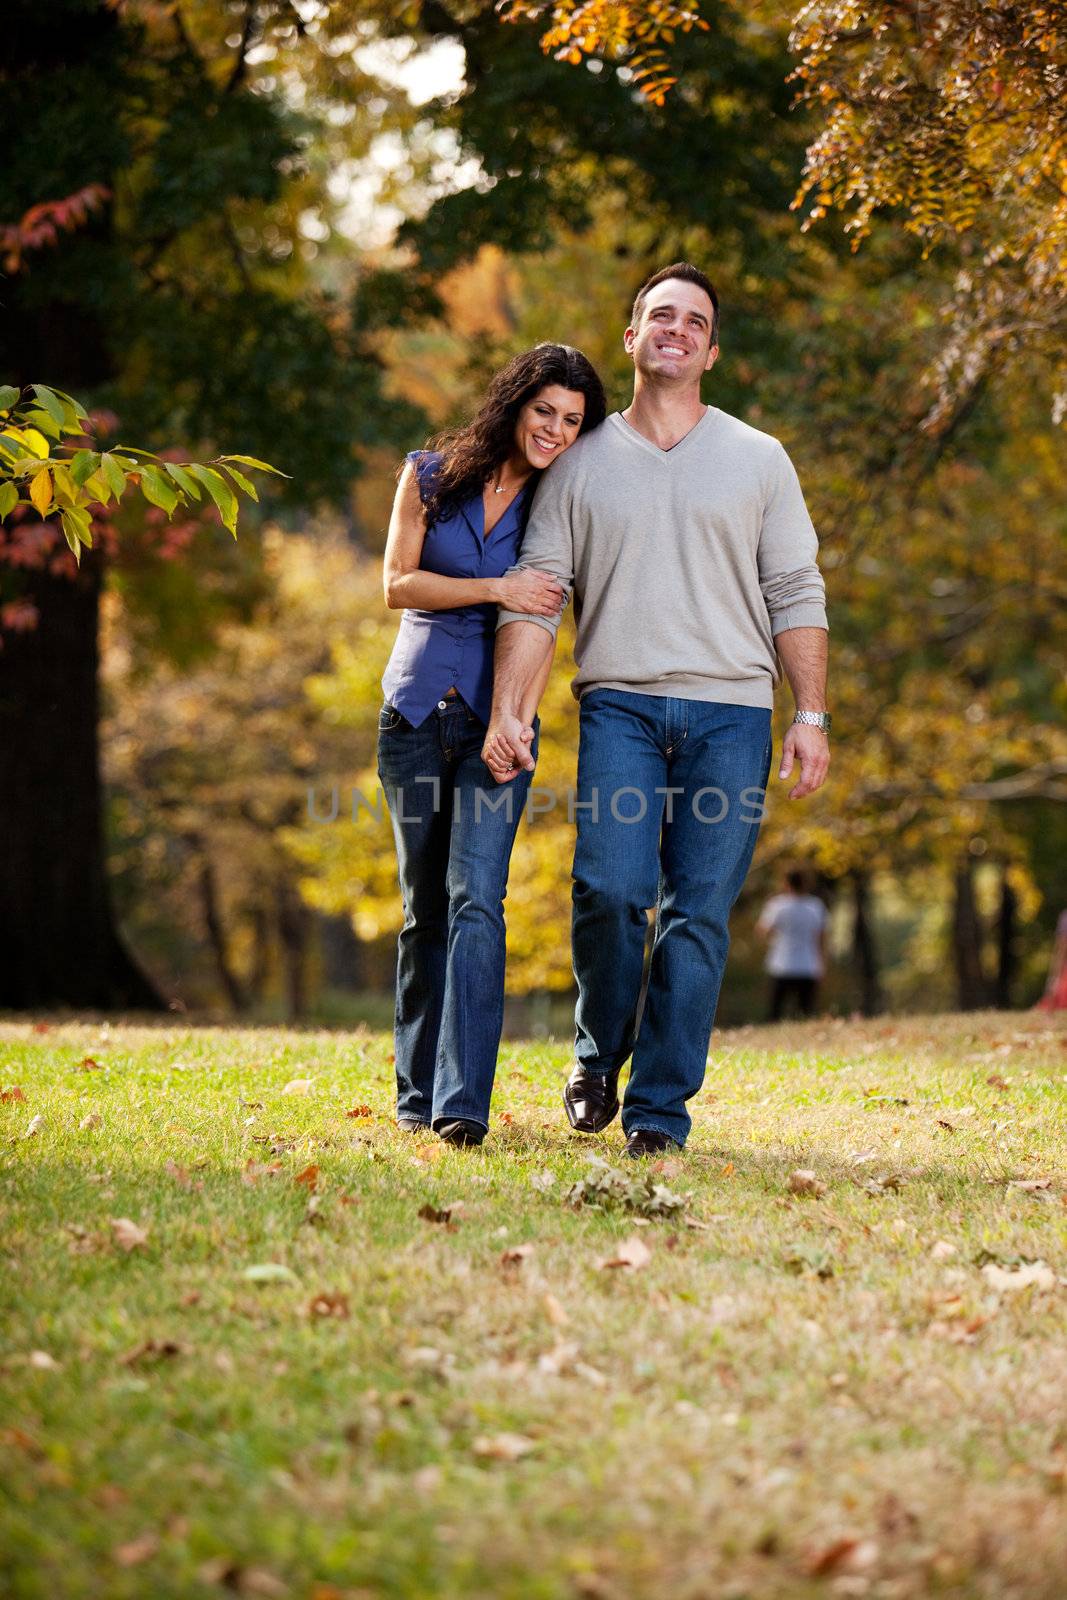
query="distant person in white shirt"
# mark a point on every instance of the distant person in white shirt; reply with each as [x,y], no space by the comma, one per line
[795,924]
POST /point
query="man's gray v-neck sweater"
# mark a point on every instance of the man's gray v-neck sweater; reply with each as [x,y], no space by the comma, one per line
[684,564]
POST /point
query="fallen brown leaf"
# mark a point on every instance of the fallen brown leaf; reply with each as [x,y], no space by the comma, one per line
[804,1181]
[151,1350]
[555,1312]
[12,1093]
[997,1082]
[328,1305]
[631,1254]
[1011,1280]
[136,1550]
[309,1177]
[34,1126]
[360,1111]
[16,1439]
[127,1234]
[91,1119]
[847,1554]
[178,1173]
[87,1064]
[516,1255]
[430,1213]
[503,1446]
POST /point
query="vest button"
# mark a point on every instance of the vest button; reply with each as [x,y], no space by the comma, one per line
[442,705]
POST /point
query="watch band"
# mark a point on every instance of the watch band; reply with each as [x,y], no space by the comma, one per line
[814,719]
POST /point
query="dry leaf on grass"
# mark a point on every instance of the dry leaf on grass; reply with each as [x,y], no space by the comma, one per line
[503,1446]
[429,1152]
[942,1250]
[847,1554]
[35,1125]
[136,1550]
[151,1350]
[91,1119]
[555,1312]
[231,1575]
[127,1234]
[309,1177]
[328,1305]
[516,1255]
[360,1111]
[88,1064]
[1030,1185]
[632,1253]
[804,1181]
[13,1092]
[1010,1280]
[442,1214]
[299,1086]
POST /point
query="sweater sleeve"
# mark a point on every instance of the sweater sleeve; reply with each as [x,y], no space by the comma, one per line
[789,577]
[548,544]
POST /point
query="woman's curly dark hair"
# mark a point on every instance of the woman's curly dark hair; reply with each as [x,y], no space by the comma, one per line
[470,455]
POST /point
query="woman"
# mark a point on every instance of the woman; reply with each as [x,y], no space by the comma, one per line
[456,528]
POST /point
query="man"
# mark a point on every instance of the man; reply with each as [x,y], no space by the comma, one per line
[684,537]
[794,923]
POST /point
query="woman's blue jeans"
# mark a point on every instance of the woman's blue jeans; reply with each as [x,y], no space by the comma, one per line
[670,799]
[454,828]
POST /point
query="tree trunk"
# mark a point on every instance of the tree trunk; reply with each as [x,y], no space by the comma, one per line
[216,936]
[864,953]
[972,990]
[1007,952]
[260,968]
[293,922]
[58,940]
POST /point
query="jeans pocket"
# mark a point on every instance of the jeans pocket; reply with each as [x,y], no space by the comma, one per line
[388,718]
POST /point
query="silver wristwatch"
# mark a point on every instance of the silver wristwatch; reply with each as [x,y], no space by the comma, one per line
[814,719]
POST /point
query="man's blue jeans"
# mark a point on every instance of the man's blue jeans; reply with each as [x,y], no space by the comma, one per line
[454,828]
[670,799]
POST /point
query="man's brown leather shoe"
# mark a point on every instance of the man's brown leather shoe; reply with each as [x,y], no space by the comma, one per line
[648,1142]
[591,1099]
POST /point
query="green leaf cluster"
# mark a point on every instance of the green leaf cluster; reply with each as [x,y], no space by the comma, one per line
[42,465]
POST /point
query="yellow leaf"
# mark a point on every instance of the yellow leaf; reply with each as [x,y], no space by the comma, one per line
[41,490]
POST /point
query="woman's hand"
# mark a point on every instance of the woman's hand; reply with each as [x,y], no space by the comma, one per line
[536,594]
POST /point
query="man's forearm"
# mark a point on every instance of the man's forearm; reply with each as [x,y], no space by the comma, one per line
[803,654]
[521,666]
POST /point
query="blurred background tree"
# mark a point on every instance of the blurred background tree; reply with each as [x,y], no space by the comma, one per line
[441,192]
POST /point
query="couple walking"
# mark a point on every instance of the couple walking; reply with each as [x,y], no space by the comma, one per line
[682,535]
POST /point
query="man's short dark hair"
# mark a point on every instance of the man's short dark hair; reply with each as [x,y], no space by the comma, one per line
[688,274]
[796,880]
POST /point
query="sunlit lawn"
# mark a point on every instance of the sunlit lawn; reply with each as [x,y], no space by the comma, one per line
[284,1380]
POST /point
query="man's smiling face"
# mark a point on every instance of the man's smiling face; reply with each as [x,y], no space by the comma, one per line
[673,339]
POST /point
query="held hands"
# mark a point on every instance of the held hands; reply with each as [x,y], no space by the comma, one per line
[811,748]
[537,594]
[506,751]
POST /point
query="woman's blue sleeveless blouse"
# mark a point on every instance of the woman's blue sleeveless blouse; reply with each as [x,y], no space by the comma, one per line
[436,649]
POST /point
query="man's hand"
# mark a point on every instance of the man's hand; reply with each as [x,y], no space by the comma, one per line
[811,748]
[506,751]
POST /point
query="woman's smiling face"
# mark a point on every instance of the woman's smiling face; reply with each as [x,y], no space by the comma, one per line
[548,424]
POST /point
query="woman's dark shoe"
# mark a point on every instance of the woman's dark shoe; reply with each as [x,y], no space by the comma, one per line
[591,1099]
[461,1133]
[648,1142]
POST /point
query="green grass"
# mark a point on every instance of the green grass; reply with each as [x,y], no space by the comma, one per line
[801,1397]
